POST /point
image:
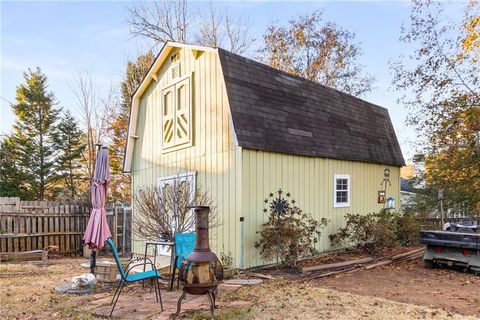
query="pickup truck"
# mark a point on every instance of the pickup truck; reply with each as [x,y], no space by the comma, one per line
[457,245]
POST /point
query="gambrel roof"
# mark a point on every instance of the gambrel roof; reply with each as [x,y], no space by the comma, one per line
[279,112]
[276,111]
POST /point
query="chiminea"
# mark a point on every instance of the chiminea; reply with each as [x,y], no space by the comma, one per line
[201,272]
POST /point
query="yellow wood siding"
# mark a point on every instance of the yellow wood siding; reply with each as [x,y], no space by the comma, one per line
[310,181]
[213,154]
[240,179]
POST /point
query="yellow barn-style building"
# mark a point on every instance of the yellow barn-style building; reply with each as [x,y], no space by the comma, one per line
[240,129]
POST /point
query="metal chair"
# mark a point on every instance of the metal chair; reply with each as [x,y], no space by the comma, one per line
[184,245]
[126,277]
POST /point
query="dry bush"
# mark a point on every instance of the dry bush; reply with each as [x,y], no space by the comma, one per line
[161,214]
[377,230]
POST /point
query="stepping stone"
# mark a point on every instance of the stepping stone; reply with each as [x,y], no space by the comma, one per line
[244,282]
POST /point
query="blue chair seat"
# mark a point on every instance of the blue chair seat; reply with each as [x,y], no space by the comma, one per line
[143,276]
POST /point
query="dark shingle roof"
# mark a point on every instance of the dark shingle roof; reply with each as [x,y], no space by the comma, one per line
[275,111]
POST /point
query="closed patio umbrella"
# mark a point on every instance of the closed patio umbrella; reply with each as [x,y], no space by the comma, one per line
[97,231]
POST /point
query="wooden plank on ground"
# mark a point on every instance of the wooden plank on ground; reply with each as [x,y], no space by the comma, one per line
[407,254]
[336,265]
[378,264]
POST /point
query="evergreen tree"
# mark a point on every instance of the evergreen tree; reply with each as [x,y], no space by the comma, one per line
[33,134]
[69,147]
[11,177]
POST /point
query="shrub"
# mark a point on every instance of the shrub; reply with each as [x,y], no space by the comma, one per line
[408,229]
[291,234]
[376,230]
[226,259]
[161,214]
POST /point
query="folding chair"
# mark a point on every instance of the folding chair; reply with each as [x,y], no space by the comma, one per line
[130,278]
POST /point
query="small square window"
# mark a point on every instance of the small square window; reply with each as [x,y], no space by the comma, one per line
[341,192]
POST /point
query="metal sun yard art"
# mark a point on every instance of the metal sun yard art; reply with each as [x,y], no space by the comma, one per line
[278,206]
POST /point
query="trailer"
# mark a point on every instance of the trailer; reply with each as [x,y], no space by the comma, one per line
[458,245]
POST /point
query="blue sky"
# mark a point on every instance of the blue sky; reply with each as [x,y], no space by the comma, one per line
[68,38]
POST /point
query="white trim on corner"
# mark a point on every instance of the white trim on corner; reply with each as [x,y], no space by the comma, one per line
[349,191]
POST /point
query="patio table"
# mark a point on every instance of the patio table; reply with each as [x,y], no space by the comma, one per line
[171,244]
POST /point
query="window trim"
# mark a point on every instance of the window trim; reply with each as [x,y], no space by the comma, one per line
[174,145]
[180,177]
[349,194]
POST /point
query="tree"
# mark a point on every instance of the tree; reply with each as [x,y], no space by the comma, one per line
[96,112]
[160,21]
[173,20]
[70,146]
[34,130]
[442,94]
[322,52]
[471,30]
[12,180]
[134,74]
[221,30]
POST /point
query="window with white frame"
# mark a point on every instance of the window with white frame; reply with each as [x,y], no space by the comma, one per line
[341,190]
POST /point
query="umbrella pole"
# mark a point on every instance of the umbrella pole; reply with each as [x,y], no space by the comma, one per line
[93,261]
[93,255]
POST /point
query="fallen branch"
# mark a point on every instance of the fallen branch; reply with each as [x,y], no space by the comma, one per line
[337,265]
[356,266]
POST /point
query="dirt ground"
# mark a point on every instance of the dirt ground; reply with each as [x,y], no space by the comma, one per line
[412,283]
[399,292]
[27,290]
[279,299]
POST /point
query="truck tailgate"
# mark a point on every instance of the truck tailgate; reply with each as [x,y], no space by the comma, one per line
[451,239]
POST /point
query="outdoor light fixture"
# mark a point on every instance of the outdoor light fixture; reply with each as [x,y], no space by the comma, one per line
[382,194]
[386,174]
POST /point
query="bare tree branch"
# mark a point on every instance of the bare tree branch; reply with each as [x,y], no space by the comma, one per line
[162,213]
[96,114]
[160,21]
[238,33]
[173,20]
[209,28]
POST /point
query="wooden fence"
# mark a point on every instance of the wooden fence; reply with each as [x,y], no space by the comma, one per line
[33,225]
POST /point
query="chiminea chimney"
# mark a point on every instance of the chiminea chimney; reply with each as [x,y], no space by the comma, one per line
[202,252]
